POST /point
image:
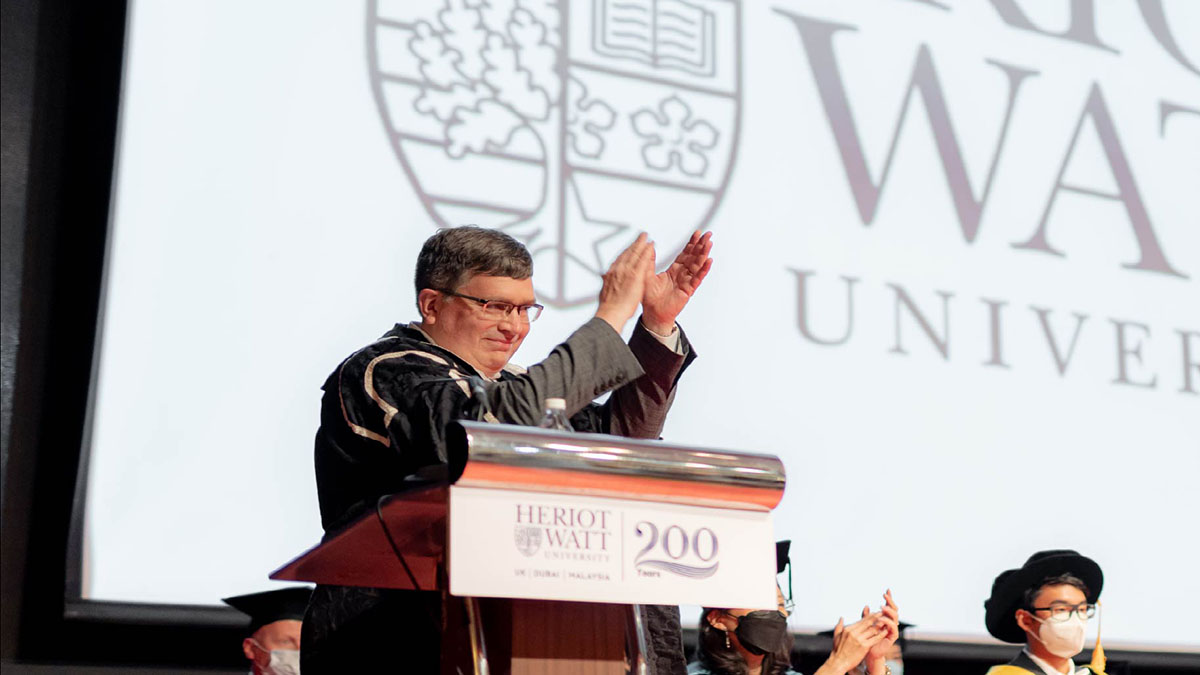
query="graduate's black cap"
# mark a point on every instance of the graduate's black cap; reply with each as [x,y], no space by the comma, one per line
[781,555]
[270,606]
[783,562]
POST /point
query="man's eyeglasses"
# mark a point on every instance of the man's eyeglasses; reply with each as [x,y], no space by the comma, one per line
[498,309]
[1060,613]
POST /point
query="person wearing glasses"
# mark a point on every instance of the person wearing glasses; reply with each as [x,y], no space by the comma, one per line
[1045,604]
[386,409]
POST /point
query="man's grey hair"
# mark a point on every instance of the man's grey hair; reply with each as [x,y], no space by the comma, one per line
[455,254]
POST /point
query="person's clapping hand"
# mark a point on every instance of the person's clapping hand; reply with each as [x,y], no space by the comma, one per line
[625,283]
[890,619]
[852,643]
[666,294]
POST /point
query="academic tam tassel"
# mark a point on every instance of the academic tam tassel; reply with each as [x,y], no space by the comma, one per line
[1099,662]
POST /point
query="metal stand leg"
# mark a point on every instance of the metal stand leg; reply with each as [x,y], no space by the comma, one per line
[635,642]
[478,644]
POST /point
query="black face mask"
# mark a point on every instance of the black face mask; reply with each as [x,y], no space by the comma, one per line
[762,632]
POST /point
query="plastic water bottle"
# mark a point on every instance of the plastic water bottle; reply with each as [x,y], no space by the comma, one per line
[556,415]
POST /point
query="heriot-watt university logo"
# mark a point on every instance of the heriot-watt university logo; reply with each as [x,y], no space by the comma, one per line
[570,124]
[528,539]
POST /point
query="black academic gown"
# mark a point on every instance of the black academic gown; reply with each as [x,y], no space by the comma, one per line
[384,416]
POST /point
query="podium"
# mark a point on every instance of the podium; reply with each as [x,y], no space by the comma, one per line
[545,544]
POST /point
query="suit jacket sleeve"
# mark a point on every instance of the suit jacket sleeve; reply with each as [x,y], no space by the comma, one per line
[592,361]
[639,409]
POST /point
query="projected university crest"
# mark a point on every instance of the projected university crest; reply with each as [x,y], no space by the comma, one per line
[571,125]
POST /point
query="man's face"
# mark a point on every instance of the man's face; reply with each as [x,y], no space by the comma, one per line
[462,326]
[275,635]
[1049,596]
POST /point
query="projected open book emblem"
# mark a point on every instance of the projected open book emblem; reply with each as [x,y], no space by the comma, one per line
[571,125]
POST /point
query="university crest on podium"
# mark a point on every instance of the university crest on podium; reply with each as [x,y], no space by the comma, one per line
[528,539]
[570,124]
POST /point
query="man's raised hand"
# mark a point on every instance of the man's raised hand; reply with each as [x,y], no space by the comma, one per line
[625,283]
[668,293]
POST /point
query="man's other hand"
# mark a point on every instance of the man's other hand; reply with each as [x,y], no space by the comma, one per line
[668,293]
[625,283]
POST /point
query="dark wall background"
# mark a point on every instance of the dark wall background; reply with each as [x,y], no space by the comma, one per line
[61,83]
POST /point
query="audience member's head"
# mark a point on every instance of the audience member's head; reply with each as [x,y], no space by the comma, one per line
[1045,603]
[272,643]
[735,639]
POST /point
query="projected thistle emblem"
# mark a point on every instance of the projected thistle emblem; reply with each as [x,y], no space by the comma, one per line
[571,124]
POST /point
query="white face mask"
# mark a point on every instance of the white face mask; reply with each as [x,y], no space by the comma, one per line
[1063,639]
[897,667]
[283,661]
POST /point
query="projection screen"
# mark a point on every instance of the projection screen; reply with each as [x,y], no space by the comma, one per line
[955,288]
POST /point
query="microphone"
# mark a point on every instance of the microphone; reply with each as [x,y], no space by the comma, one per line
[478,388]
[479,394]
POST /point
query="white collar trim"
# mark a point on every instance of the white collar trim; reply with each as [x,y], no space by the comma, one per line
[1046,667]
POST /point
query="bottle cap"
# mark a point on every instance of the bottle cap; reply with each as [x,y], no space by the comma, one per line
[556,404]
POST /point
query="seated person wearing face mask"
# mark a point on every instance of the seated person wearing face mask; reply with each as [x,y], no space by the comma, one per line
[1045,604]
[756,642]
[272,642]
